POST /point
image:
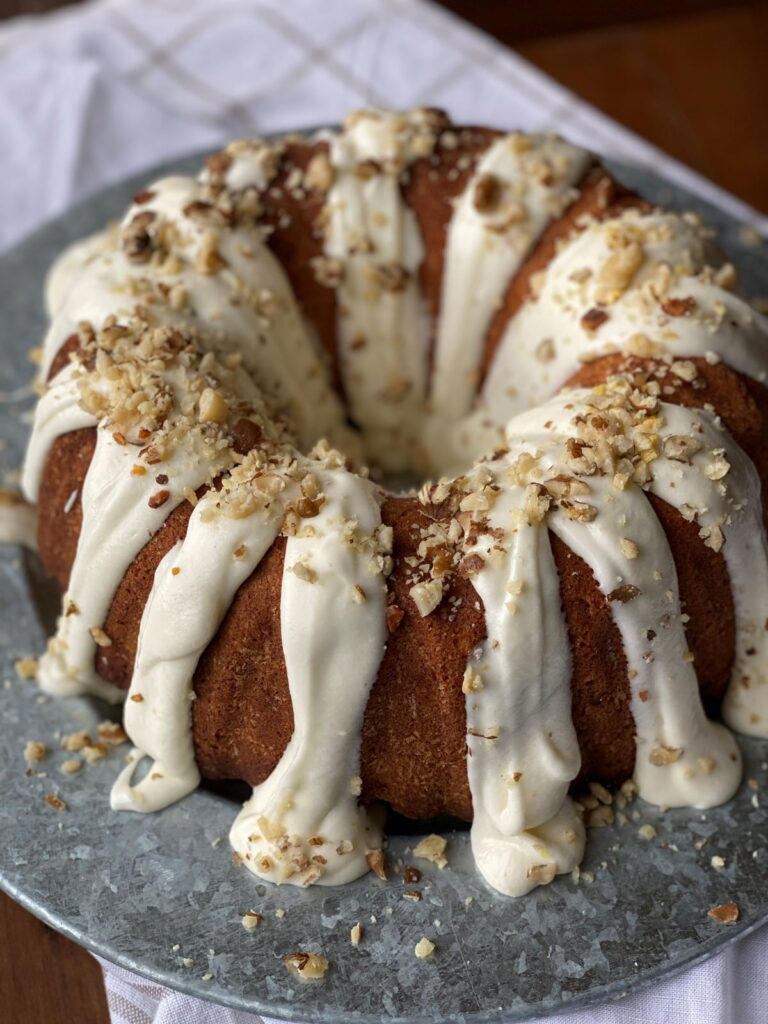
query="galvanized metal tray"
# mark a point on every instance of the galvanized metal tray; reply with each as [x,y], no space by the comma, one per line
[160,895]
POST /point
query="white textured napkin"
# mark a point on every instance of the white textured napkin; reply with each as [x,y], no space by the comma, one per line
[93,93]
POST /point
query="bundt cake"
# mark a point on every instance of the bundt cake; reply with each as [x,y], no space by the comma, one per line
[585,582]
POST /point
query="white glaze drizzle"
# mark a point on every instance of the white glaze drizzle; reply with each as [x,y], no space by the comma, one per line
[57,412]
[546,341]
[535,177]
[193,588]
[665,698]
[383,326]
[522,751]
[333,631]
[247,307]
[117,521]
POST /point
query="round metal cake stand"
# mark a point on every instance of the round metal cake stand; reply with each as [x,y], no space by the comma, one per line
[160,895]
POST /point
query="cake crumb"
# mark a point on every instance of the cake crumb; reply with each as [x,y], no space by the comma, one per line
[725,913]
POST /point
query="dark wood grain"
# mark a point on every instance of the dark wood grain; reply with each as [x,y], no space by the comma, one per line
[697,87]
[691,76]
[43,976]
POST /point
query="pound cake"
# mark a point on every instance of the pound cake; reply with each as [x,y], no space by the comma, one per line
[410,463]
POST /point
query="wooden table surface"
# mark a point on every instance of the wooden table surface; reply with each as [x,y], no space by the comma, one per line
[695,82]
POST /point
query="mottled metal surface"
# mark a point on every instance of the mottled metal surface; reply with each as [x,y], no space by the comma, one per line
[150,892]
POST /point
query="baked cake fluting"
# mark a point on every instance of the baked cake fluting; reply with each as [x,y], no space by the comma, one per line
[586,581]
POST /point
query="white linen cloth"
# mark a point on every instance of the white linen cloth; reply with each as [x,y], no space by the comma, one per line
[93,93]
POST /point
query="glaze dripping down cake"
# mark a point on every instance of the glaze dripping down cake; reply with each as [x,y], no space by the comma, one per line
[576,591]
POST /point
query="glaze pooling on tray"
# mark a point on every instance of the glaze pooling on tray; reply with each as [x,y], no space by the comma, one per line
[204,377]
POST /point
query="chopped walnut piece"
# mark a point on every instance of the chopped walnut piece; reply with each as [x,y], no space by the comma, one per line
[356,934]
[600,816]
[55,802]
[208,259]
[34,751]
[100,637]
[355,785]
[413,895]
[545,350]
[158,499]
[725,276]
[112,733]
[487,193]
[472,680]
[307,966]
[367,169]
[426,595]
[541,874]
[647,832]
[432,848]
[319,173]
[424,948]
[411,875]
[718,467]
[392,277]
[662,755]
[136,238]
[94,753]
[626,592]
[303,571]
[593,319]
[250,920]
[628,548]
[26,668]
[678,307]
[680,447]
[471,565]
[213,408]
[725,913]
[685,369]
[245,435]
[76,741]
[394,616]
[536,503]
[579,511]
[328,271]
[377,863]
[71,766]
[617,272]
